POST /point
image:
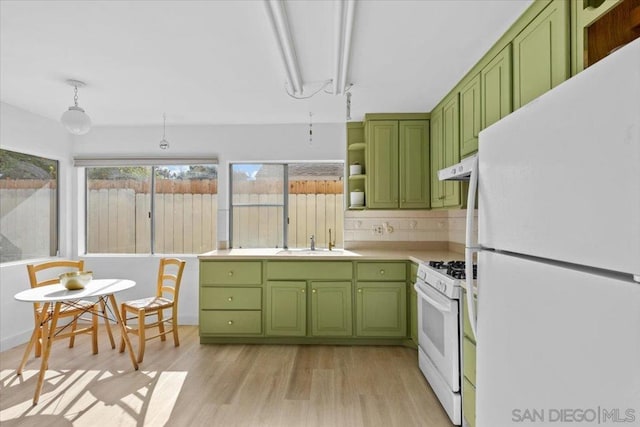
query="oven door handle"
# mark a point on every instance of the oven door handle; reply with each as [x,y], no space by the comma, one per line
[441,307]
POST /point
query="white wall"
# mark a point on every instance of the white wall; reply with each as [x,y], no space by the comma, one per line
[32,134]
[233,143]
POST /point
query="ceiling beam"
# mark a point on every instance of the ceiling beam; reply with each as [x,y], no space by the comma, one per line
[343,22]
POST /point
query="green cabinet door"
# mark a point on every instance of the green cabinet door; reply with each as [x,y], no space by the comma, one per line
[382,164]
[451,149]
[470,114]
[286,309]
[381,309]
[495,80]
[437,187]
[541,54]
[414,164]
[331,309]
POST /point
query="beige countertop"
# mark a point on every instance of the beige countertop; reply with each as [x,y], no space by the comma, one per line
[399,253]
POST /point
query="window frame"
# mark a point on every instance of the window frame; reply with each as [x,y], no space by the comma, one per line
[54,247]
[285,192]
[154,164]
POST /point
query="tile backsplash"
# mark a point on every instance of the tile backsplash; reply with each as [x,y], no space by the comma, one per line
[404,226]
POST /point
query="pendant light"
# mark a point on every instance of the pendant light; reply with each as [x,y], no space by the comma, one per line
[75,120]
[164,144]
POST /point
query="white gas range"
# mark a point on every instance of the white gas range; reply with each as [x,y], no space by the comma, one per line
[439,287]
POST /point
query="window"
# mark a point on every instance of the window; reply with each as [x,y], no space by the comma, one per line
[282,205]
[28,206]
[164,208]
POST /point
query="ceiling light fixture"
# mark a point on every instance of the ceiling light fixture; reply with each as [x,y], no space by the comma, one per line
[280,26]
[75,120]
[344,12]
[164,144]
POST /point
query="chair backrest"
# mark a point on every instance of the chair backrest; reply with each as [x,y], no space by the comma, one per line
[169,277]
[47,273]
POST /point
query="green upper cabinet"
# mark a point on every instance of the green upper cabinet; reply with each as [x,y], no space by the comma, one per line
[355,155]
[451,149]
[331,309]
[397,154]
[437,159]
[286,309]
[382,161]
[470,115]
[414,164]
[495,82]
[541,54]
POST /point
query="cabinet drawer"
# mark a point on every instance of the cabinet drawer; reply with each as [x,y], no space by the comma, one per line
[230,272]
[309,270]
[231,322]
[469,351]
[382,271]
[469,402]
[231,298]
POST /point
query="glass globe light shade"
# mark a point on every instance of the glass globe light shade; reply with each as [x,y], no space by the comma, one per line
[76,121]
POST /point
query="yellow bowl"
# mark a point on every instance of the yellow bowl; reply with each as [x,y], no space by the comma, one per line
[76,279]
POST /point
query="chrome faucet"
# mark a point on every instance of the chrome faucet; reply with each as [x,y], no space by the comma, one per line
[313,243]
[332,244]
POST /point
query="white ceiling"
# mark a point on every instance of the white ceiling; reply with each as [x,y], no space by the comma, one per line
[216,62]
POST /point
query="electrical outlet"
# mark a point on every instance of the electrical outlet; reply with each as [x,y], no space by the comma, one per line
[377,229]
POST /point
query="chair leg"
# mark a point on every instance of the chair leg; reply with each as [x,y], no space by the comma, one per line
[94,327]
[74,325]
[124,328]
[107,323]
[174,323]
[38,343]
[141,337]
[161,325]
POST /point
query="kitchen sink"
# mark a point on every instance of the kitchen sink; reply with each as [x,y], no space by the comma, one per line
[316,252]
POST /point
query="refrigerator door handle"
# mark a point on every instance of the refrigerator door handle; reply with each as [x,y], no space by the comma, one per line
[470,249]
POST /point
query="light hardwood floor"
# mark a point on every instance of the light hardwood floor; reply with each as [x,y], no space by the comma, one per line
[220,385]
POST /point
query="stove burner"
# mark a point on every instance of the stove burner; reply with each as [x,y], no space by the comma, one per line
[454,269]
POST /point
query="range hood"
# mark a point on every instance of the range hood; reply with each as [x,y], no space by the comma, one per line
[460,171]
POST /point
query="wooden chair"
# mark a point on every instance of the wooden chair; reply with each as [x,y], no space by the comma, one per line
[47,273]
[166,298]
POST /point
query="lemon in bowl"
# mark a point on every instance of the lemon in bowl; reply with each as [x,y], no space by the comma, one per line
[76,279]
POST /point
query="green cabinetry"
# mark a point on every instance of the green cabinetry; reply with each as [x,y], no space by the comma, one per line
[286,309]
[381,304]
[495,82]
[397,153]
[230,298]
[356,150]
[412,308]
[331,313]
[541,54]
[445,151]
[470,116]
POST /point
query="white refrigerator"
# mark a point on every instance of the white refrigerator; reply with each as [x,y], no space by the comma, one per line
[558,314]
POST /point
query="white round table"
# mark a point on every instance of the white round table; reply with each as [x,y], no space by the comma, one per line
[103,290]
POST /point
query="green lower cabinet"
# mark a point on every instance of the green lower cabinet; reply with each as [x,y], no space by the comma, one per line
[469,402]
[413,310]
[286,309]
[331,312]
[231,322]
[381,309]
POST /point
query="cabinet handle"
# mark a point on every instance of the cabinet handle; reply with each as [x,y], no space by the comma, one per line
[230,272]
[314,291]
[382,272]
[302,290]
[230,299]
[360,290]
[230,322]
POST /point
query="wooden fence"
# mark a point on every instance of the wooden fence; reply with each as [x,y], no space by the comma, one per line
[186,215]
